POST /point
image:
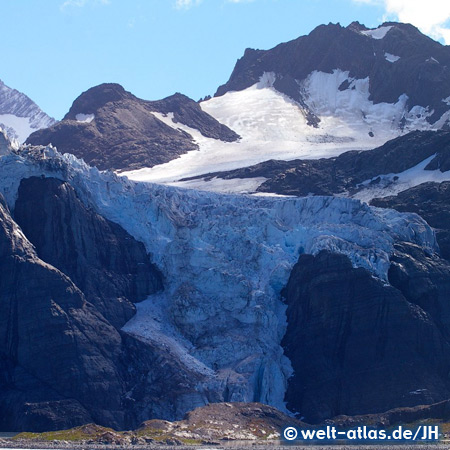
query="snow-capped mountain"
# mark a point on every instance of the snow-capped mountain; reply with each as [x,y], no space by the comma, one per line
[153,300]
[19,115]
[335,90]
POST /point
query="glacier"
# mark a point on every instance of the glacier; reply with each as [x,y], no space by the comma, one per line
[225,259]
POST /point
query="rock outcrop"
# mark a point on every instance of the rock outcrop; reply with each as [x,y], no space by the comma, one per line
[58,352]
[103,260]
[429,200]
[63,360]
[358,345]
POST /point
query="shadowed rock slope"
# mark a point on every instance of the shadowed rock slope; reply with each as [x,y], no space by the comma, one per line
[104,261]
[367,346]
[63,359]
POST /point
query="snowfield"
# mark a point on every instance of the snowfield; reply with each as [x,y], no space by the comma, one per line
[394,183]
[272,126]
[225,259]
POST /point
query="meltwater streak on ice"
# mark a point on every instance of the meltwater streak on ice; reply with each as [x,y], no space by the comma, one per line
[225,260]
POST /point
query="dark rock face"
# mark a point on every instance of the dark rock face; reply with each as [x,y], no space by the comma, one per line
[422,72]
[104,261]
[328,176]
[54,346]
[63,361]
[124,134]
[366,346]
[429,200]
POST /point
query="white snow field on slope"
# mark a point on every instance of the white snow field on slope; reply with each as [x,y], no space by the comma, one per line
[19,115]
[225,259]
[394,183]
[272,126]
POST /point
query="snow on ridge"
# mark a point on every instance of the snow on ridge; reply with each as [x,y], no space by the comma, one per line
[391,58]
[356,113]
[225,259]
[19,115]
[394,183]
[85,118]
[377,33]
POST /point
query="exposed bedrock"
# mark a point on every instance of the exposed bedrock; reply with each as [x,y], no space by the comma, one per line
[63,362]
[358,345]
[102,259]
[429,200]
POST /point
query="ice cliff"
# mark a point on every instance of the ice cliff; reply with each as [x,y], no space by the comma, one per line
[225,259]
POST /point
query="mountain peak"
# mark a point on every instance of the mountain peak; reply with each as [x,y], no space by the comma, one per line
[97,97]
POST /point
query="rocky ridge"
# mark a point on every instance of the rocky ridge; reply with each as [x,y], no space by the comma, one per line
[420,69]
[110,128]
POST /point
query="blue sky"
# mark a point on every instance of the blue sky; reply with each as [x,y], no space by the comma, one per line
[55,49]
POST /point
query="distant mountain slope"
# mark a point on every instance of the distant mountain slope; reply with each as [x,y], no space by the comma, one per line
[112,129]
[19,115]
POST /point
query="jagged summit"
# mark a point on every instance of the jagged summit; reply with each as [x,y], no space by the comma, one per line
[19,115]
[397,58]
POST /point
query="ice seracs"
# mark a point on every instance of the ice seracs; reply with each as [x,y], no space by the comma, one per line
[225,259]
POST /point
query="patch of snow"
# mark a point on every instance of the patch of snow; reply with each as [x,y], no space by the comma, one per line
[377,33]
[85,118]
[433,60]
[18,128]
[394,183]
[225,259]
[267,80]
[152,324]
[446,100]
[391,58]
[354,115]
